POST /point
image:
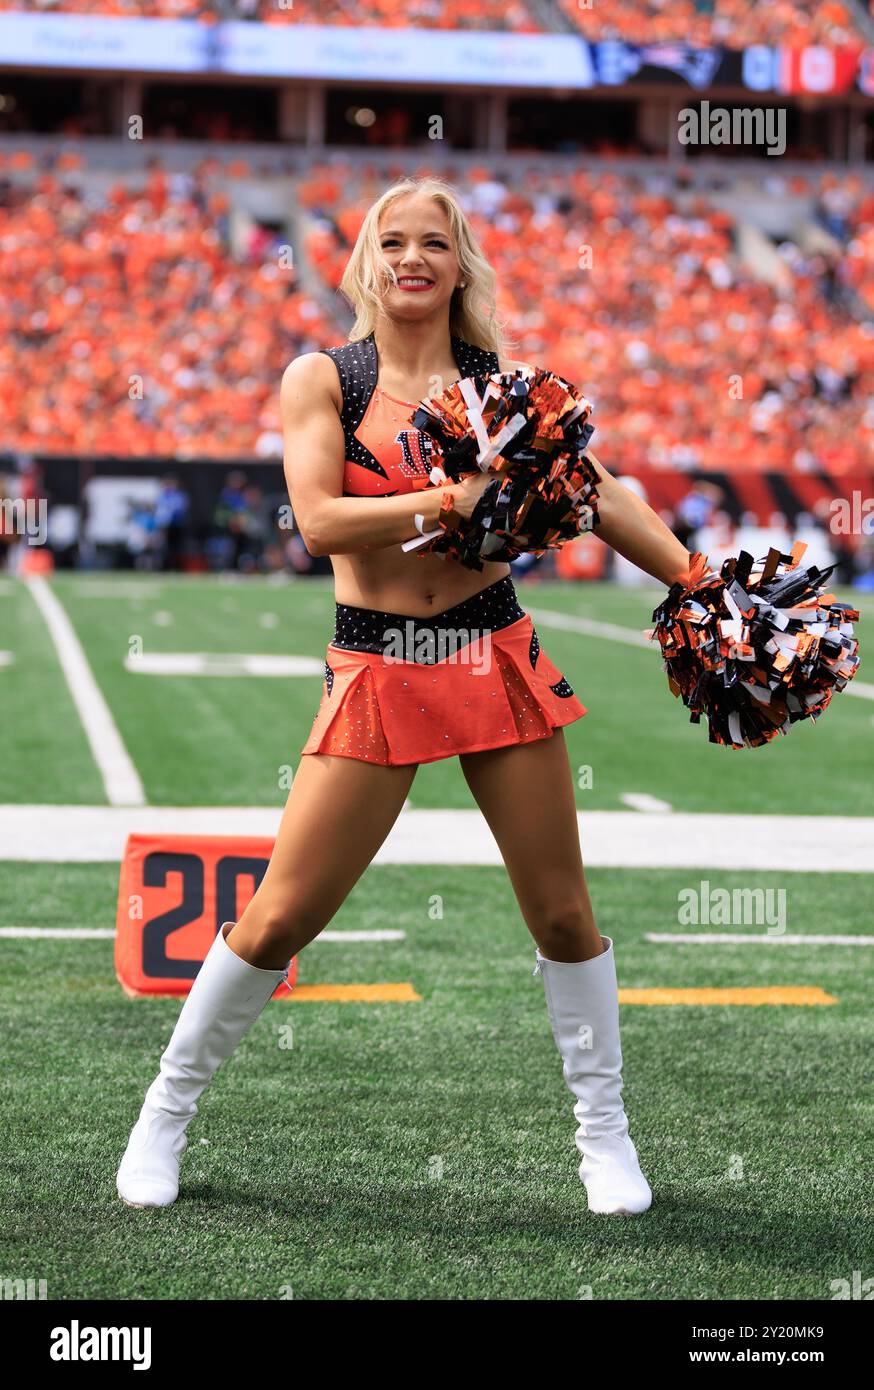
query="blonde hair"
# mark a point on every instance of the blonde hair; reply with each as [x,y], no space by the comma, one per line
[472,311]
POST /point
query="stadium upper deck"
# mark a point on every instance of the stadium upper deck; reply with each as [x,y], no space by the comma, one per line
[730,23]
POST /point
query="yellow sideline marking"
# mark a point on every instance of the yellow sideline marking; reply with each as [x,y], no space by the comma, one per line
[404,993]
[401,993]
[776,994]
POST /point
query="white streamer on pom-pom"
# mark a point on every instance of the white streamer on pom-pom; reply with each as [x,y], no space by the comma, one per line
[489,449]
[475,412]
[420,540]
[732,630]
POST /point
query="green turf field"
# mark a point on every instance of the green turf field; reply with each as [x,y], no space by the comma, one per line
[425,1150]
[222,741]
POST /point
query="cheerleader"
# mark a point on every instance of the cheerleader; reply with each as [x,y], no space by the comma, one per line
[429,659]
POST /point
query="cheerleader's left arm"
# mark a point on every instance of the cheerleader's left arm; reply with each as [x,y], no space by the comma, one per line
[635,531]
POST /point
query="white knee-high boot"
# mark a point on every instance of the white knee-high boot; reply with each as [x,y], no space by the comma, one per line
[227,996]
[583,1002]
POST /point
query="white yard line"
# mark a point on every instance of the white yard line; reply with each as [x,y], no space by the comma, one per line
[615,839]
[94,588]
[108,934]
[548,617]
[59,933]
[120,777]
[222,664]
[378,935]
[642,801]
[748,939]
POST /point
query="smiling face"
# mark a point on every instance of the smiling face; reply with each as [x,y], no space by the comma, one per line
[416,241]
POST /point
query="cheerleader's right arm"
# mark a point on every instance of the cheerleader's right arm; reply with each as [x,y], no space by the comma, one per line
[314,462]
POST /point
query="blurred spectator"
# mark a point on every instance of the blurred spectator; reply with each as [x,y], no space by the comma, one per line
[230,518]
[719,539]
[258,528]
[243,520]
[143,540]
[695,510]
[171,522]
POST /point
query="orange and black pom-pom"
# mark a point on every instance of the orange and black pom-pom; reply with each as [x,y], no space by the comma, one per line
[757,647]
[532,429]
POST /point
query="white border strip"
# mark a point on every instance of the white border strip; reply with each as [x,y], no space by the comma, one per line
[120,777]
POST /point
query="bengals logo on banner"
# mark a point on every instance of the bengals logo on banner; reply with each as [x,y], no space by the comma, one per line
[174,893]
[417,449]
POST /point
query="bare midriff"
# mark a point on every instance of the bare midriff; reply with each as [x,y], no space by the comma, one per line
[395,581]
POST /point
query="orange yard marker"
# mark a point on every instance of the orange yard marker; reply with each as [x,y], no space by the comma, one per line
[404,993]
[775,994]
[401,993]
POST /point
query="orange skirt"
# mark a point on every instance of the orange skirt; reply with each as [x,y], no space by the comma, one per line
[500,689]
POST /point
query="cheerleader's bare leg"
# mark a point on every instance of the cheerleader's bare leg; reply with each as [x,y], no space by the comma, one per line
[526,795]
[338,813]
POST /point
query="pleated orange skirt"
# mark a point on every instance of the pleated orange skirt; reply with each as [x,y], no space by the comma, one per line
[498,689]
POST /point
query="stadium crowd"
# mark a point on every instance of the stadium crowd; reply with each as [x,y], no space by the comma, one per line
[631,288]
[388,14]
[729,23]
[722,23]
[129,324]
[129,327]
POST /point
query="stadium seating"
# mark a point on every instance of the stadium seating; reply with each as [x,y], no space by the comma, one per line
[731,23]
[128,325]
[665,294]
[387,14]
[205,10]
[858,259]
[401,14]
